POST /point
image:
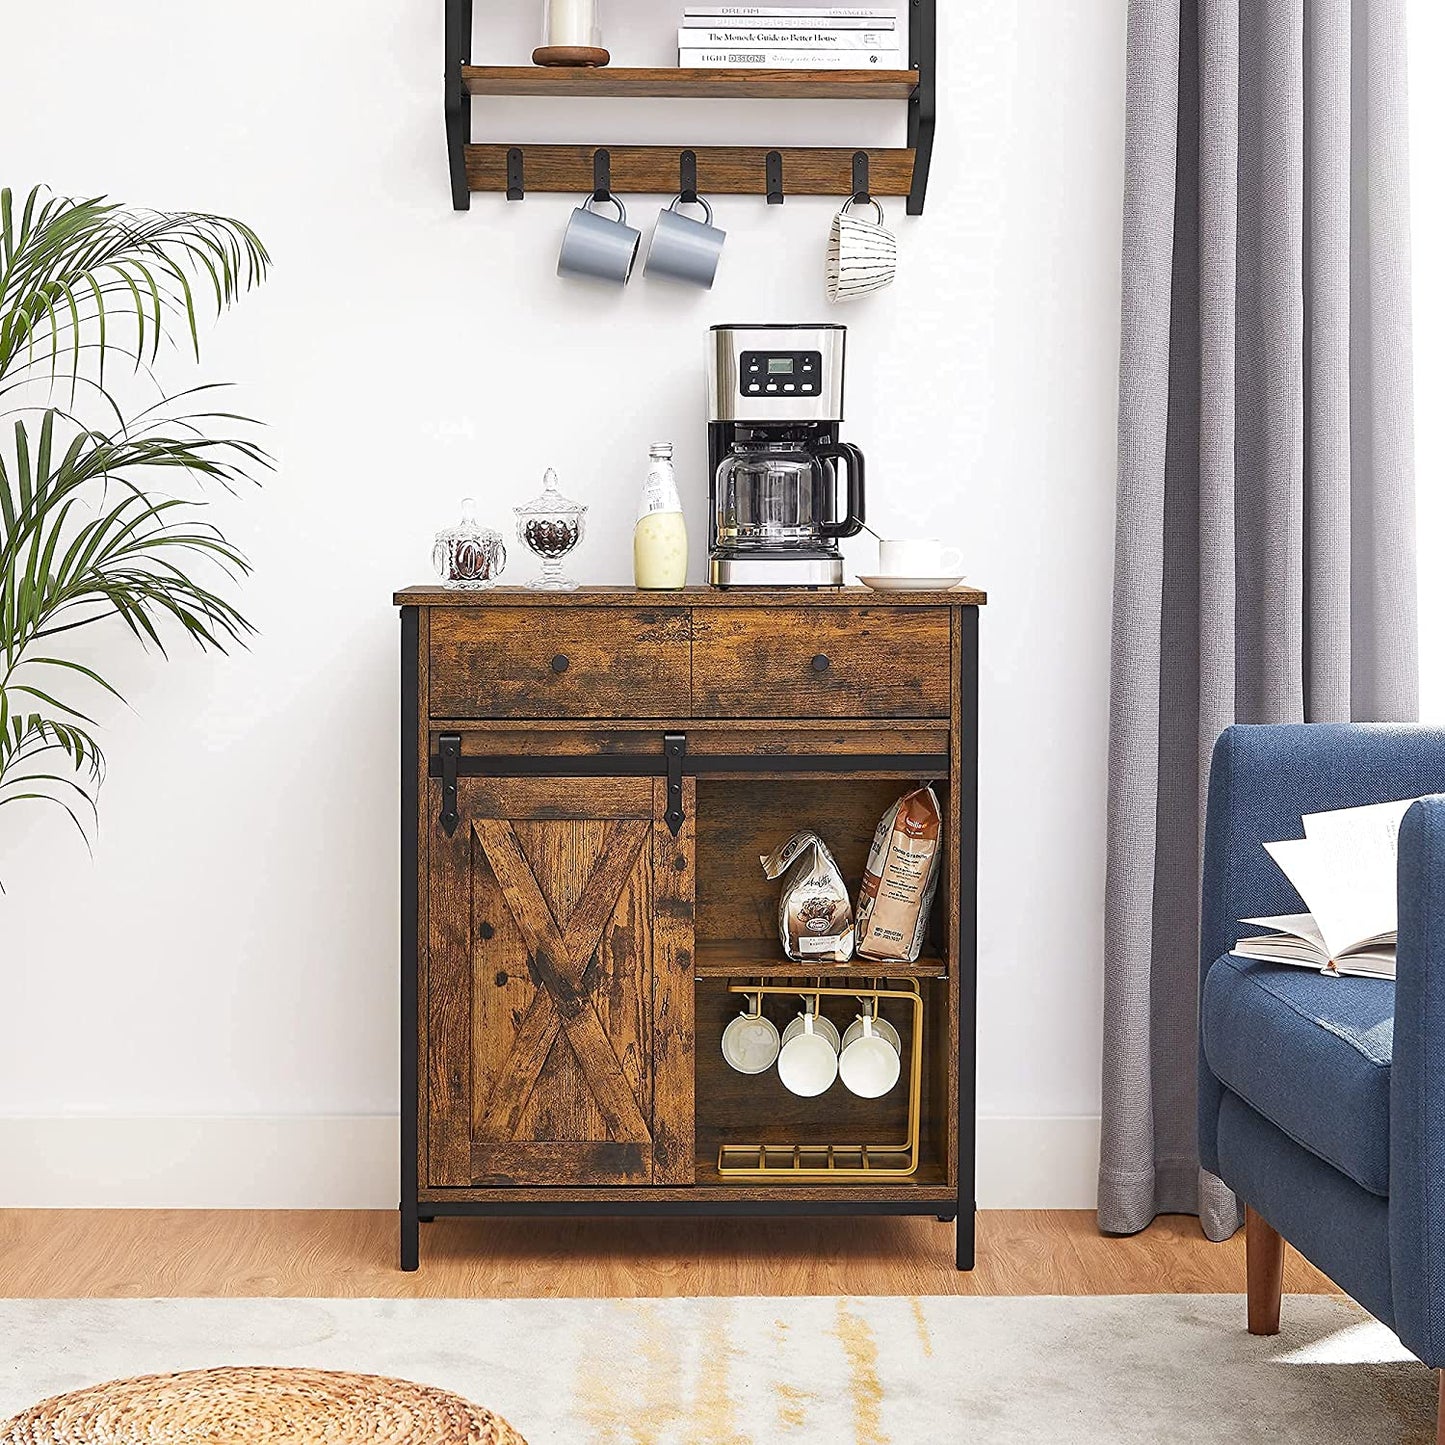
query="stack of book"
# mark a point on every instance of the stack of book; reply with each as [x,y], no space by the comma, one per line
[782,37]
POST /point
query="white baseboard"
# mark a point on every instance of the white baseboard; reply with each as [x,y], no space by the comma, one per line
[350,1162]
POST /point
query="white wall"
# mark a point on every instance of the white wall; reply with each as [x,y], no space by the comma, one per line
[207,1011]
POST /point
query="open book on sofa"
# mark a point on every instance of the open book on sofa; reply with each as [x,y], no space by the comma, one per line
[1344,870]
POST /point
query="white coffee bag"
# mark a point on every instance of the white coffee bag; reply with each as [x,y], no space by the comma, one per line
[815,918]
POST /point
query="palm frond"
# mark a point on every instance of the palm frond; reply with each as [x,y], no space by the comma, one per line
[87,530]
[70,267]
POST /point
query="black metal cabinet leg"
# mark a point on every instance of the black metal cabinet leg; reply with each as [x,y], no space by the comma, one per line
[410,1241]
[947,1218]
[964,1240]
[427,1218]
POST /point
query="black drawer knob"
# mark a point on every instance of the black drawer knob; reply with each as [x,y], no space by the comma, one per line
[560,664]
[821,663]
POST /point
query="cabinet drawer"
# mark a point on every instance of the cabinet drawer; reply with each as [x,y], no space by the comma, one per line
[569,662]
[821,662]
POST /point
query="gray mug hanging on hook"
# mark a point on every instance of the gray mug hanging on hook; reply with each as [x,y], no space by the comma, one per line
[683,248]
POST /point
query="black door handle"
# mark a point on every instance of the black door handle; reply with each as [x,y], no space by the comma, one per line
[560,664]
[821,663]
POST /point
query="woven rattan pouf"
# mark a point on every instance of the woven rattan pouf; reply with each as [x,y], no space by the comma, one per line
[239,1406]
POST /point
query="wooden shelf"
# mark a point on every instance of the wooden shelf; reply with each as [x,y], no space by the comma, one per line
[743,959]
[674,83]
[654,170]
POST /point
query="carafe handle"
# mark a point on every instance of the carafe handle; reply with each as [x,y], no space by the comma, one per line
[852,458]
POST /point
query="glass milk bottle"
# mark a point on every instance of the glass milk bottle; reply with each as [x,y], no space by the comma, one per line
[659,545]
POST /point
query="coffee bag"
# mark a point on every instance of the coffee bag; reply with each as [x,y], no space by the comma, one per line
[815,918]
[900,878]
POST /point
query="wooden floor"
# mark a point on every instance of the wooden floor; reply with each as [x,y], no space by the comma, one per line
[52,1253]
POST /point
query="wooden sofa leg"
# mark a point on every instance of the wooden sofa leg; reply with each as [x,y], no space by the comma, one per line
[1264,1265]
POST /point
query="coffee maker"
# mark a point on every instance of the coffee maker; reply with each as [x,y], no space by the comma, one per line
[776,402]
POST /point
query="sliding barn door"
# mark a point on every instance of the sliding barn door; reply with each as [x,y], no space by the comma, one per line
[559,987]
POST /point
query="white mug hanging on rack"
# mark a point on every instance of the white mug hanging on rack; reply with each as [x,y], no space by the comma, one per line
[862,255]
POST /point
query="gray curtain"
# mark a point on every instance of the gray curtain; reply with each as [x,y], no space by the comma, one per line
[1264,567]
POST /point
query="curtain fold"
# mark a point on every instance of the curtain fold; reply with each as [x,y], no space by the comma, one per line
[1264,560]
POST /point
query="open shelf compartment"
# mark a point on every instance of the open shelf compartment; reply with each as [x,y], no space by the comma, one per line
[751,1132]
[813,1159]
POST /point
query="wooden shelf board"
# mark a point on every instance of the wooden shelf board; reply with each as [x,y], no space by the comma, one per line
[671,82]
[721,170]
[745,959]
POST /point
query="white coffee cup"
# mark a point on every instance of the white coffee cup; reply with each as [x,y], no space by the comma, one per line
[750,1041]
[808,1063]
[869,1066]
[821,1025]
[862,255]
[917,557]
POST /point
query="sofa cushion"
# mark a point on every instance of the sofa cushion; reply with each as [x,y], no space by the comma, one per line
[1309,1052]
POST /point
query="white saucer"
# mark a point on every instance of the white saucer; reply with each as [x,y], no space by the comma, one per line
[911,584]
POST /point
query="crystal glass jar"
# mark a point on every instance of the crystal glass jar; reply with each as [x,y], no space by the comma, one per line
[551,527]
[469,557]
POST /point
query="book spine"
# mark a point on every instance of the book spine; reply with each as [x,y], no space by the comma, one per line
[743,38]
[792,59]
[807,13]
[782,22]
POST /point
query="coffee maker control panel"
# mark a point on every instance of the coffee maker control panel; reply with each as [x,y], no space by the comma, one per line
[781,373]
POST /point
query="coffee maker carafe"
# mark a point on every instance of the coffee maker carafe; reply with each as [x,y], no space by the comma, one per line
[776,404]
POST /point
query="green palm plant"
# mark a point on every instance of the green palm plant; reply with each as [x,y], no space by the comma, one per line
[87,532]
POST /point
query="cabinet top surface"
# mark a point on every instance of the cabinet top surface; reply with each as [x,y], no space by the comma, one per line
[686,597]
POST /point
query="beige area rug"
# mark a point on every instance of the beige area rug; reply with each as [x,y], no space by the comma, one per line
[1166,1368]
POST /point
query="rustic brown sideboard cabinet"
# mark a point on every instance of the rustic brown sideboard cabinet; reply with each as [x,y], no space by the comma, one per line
[588,781]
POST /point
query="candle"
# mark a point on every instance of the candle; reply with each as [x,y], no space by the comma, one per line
[572,22]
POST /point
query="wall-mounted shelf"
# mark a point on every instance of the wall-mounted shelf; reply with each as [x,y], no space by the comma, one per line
[674,84]
[774,172]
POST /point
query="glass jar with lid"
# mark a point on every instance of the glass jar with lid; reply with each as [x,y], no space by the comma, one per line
[551,527]
[469,557]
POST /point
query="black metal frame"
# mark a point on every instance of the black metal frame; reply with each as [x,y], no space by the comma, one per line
[458,102]
[922,108]
[967,944]
[673,762]
[922,54]
[410,942]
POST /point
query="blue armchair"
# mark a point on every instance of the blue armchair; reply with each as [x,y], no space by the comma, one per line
[1321,1114]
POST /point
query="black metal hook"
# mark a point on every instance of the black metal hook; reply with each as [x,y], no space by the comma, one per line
[687,167]
[516,175]
[775,178]
[602,175]
[860,176]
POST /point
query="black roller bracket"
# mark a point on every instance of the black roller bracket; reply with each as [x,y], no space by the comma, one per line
[516,175]
[601,175]
[450,750]
[775,178]
[687,168]
[861,191]
[674,749]
[922,112]
[458,102]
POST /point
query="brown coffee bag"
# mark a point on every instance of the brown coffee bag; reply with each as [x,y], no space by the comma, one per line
[815,918]
[900,878]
